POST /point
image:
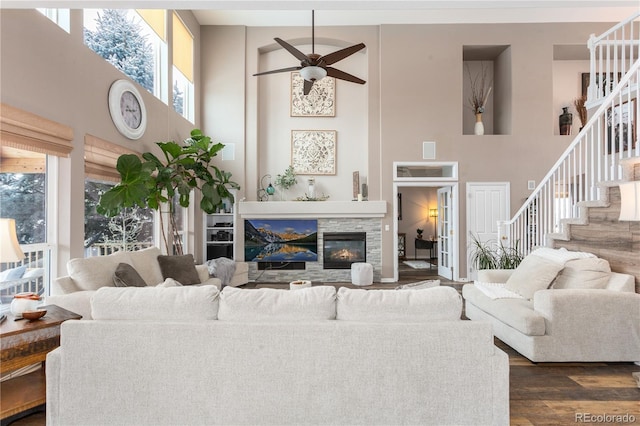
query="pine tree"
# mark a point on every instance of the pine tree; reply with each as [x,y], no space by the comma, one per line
[178,99]
[118,40]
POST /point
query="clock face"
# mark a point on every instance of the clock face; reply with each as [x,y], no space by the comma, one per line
[130,110]
[127,109]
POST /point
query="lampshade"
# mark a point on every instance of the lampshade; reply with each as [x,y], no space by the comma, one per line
[433,212]
[10,250]
[312,73]
[630,201]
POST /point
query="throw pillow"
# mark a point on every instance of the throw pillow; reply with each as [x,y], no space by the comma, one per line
[584,273]
[126,276]
[13,274]
[268,304]
[429,304]
[180,268]
[169,282]
[534,273]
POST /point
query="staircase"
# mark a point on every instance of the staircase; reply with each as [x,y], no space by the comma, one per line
[602,155]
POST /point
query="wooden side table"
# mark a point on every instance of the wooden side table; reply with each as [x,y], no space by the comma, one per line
[23,343]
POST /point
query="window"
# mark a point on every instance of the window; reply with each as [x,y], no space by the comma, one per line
[129,231]
[28,160]
[183,90]
[134,41]
[133,229]
[59,16]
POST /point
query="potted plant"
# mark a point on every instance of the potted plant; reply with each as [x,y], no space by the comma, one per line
[489,255]
[151,182]
[419,231]
[286,180]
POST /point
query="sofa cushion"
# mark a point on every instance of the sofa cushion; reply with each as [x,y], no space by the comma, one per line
[268,304]
[516,313]
[92,273]
[146,263]
[127,276]
[584,273]
[180,268]
[430,304]
[534,273]
[155,303]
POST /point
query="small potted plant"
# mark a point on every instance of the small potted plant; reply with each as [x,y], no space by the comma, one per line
[419,231]
[286,180]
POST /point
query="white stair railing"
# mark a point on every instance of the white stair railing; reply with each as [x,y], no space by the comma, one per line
[592,160]
[612,56]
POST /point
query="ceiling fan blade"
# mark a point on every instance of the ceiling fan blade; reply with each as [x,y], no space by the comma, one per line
[307,87]
[295,52]
[280,70]
[338,55]
[341,75]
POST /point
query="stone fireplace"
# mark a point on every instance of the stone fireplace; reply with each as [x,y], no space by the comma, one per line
[341,249]
[334,217]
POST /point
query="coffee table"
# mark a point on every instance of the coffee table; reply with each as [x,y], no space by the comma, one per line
[23,343]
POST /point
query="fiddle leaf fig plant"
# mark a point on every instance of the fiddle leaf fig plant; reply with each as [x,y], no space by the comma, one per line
[152,182]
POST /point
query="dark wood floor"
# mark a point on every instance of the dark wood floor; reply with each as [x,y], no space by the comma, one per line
[542,393]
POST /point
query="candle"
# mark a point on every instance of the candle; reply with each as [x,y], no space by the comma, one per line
[359,197]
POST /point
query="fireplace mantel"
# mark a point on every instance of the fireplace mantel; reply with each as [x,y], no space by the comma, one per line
[311,209]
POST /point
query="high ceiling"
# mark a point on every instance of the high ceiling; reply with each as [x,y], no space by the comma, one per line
[367,12]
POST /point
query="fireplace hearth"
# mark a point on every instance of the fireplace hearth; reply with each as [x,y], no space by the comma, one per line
[341,249]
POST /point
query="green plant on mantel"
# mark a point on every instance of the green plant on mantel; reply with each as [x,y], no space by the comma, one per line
[151,182]
[287,179]
[489,255]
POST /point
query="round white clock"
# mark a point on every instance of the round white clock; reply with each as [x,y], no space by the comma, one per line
[127,109]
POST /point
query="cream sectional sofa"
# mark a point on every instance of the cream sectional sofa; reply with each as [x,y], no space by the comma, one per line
[197,356]
[560,306]
[86,275]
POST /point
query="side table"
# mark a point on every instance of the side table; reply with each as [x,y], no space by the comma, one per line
[23,343]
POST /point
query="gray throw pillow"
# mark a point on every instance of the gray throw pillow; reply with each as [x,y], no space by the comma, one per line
[180,268]
[126,276]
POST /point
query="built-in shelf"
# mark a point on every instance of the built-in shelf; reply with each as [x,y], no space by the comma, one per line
[494,62]
[313,209]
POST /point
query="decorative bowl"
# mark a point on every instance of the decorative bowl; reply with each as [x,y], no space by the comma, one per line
[34,315]
[295,285]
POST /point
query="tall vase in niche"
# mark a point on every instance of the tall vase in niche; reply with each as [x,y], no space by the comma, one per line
[565,120]
[478,129]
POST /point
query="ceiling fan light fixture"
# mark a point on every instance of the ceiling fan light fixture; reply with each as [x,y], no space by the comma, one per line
[313,73]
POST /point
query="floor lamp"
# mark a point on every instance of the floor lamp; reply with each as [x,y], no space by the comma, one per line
[434,214]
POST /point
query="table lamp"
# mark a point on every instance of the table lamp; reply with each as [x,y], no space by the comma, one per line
[10,250]
[630,201]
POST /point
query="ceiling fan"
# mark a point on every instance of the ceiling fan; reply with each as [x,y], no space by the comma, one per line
[314,67]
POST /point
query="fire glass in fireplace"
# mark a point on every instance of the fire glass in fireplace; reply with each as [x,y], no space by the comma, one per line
[341,249]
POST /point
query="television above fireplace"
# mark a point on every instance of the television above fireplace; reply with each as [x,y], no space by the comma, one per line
[281,240]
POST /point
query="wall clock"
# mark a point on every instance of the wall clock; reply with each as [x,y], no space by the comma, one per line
[127,109]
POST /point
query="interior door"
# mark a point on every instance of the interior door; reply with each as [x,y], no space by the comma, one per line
[445,232]
[487,203]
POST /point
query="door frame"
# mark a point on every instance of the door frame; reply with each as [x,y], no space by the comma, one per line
[455,205]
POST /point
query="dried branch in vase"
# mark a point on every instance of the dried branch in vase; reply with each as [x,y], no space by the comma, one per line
[480,89]
[579,103]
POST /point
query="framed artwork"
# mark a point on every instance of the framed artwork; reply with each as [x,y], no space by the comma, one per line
[320,102]
[586,79]
[313,152]
[621,129]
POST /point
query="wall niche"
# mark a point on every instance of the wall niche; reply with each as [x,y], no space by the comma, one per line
[495,62]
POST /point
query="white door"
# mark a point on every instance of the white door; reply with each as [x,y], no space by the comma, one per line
[445,232]
[487,203]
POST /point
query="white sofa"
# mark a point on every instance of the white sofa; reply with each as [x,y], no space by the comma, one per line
[276,357]
[86,275]
[594,316]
